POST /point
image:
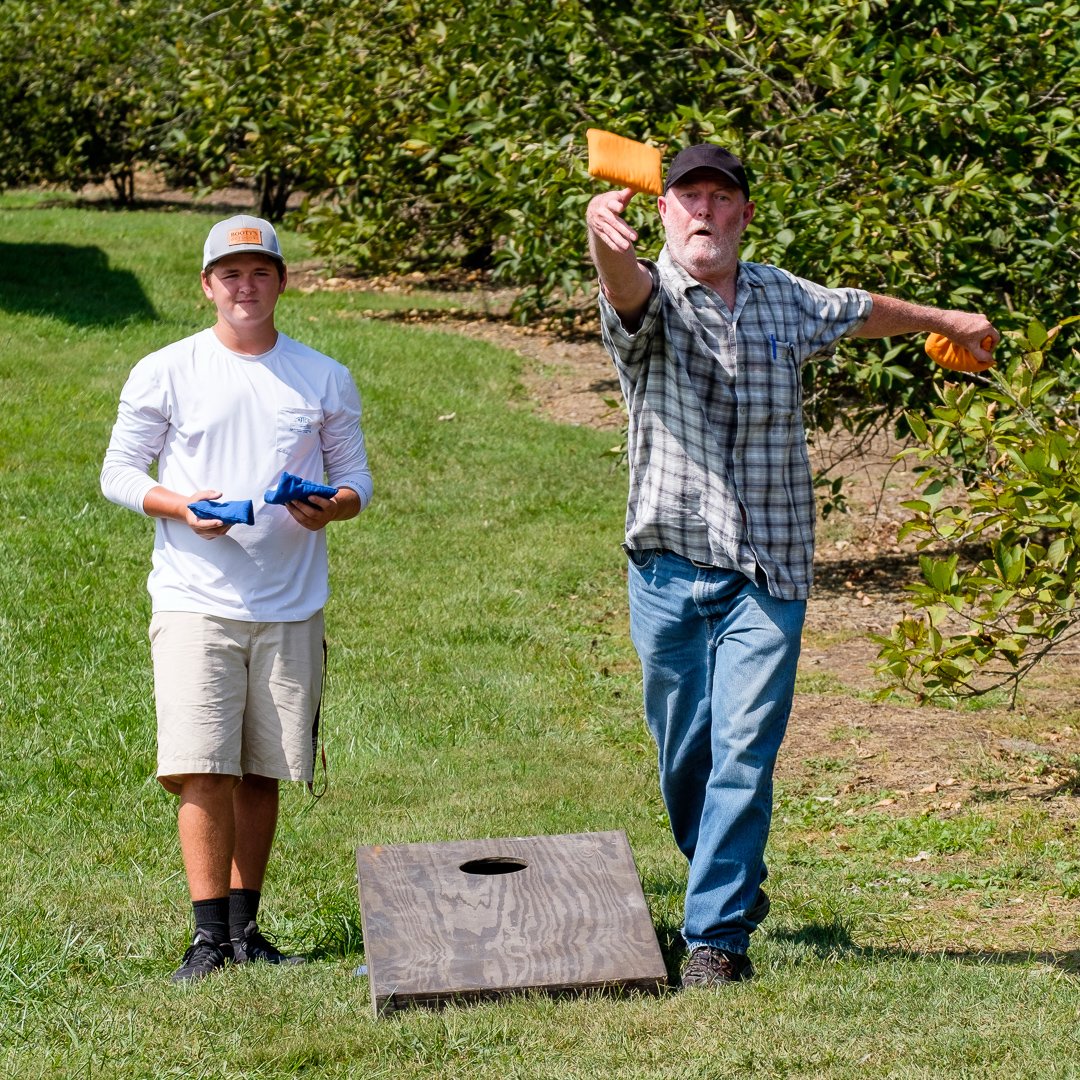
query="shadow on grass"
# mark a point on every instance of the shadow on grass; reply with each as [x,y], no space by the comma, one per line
[664,894]
[71,283]
[831,939]
[223,204]
[223,207]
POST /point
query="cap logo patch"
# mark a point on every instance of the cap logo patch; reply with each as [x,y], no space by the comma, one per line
[245,236]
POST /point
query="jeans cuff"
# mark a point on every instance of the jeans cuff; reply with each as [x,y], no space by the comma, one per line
[739,944]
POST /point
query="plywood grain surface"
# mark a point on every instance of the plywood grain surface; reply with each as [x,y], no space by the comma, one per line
[474,919]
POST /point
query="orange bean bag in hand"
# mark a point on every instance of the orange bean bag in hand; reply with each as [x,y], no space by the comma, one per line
[625,162]
[955,357]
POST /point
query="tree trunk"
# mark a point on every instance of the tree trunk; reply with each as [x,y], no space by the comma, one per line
[274,192]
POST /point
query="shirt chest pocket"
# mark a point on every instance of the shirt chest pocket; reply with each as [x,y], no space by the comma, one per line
[785,383]
[771,383]
[298,430]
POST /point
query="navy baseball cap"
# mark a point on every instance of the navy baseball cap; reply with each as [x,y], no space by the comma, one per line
[707,156]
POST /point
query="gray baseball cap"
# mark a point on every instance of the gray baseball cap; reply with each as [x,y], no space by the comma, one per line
[239,234]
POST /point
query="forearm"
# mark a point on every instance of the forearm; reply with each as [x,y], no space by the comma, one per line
[160,502]
[352,476]
[891,317]
[126,485]
[627,285]
[347,504]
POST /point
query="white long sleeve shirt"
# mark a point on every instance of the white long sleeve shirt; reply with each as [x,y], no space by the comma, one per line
[217,420]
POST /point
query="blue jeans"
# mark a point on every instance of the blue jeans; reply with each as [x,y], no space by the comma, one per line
[718,658]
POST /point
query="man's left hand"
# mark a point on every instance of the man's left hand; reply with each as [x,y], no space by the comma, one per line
[970,330]
[313,513]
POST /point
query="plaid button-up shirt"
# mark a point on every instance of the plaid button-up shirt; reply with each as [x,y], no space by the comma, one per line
[719,471]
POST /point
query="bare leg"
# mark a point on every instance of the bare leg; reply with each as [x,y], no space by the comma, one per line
[207,833]
[255,811]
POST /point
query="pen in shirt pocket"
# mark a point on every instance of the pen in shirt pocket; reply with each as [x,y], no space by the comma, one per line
[772,345]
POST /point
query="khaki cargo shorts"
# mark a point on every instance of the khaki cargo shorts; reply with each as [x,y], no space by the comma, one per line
[235,697]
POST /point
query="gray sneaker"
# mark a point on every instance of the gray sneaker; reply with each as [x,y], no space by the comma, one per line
[202,958]
[253,946]
[716,967]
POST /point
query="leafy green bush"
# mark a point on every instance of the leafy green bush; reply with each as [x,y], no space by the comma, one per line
[1001,508]
[890,146]
[275,93]
[84,90]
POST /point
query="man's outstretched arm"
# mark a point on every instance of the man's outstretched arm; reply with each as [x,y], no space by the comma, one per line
[891,317]
[626,283]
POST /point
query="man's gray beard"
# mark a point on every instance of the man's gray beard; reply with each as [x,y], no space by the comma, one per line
[721,255]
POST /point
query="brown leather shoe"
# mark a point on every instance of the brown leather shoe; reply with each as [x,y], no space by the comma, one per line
[716,967]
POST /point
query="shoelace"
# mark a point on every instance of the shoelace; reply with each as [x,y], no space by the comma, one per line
[711,963]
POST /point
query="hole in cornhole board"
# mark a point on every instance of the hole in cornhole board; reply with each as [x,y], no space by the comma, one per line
[493,865]
[475,920]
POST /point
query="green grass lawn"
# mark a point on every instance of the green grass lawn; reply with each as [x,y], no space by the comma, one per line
[481,683]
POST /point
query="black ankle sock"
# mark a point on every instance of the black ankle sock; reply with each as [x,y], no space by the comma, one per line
[243,909]
[212,918]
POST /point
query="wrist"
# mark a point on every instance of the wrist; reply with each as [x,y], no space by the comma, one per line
[160,502]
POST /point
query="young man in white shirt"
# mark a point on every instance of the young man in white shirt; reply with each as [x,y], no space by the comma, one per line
[237,627]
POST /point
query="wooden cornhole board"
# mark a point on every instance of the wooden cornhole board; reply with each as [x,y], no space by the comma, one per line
[472,920]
